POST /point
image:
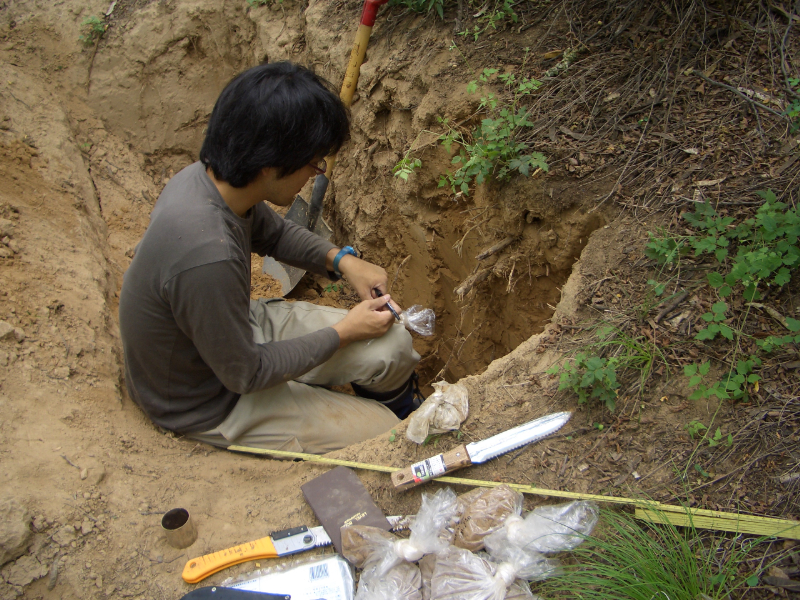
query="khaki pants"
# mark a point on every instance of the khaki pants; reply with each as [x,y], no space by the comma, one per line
[302,416]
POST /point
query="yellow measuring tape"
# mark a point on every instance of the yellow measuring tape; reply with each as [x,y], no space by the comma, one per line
[646,510]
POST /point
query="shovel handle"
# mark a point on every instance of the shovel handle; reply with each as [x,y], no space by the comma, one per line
[359,50]
[349,85]
[430,468]
[315,205]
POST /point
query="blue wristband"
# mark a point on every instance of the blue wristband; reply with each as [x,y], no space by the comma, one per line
[338,257]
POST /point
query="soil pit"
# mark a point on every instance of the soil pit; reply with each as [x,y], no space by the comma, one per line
[489,293]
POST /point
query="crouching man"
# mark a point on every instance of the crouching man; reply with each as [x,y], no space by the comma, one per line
[204,360]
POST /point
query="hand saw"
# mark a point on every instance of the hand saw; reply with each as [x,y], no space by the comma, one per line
[479,452]
[280,543]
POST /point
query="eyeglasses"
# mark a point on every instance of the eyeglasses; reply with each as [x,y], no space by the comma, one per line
[319,167]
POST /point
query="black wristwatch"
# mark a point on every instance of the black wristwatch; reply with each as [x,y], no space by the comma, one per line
[338,257]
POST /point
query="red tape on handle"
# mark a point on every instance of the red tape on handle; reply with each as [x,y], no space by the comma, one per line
[370,11]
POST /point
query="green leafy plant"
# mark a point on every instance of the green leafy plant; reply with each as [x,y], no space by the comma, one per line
[421,6]
[490,16]
[776,341]
[393,435]
[93,29]
[715,320]
[733,385]
[766,246]
[665,249]
[719,438]
[695,428]
[760,251]
[334,287]
[701,471]
[493,149]
[626,559]
[257,3]
[406,166]
[658,287]
[590,377]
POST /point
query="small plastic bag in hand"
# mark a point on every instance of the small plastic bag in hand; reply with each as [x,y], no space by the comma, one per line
[402,582]
[377,551]
[421,320]
[547,529]
[483,511]
[444,410]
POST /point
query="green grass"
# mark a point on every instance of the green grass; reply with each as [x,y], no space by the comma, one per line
[630,559]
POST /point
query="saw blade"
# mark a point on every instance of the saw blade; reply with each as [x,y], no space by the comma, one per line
[517,437]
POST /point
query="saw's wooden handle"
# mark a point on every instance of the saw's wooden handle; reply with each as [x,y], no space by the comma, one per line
[430,468]
[208,564]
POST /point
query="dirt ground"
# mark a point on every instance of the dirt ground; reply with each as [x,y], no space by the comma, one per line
[89,135]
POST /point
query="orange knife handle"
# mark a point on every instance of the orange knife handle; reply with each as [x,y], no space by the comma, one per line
[208,564]
[425,470]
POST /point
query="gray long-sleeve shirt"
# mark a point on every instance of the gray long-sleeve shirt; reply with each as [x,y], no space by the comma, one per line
[184,306]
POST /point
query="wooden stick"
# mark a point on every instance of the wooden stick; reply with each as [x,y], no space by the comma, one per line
[671,305]
[497,247]
[471,281]
[771,312]
[740,94]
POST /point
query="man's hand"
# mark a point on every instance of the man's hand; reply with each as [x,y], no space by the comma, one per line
[365,277]
[365,321]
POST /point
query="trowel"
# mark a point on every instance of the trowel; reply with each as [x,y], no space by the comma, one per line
[305,213]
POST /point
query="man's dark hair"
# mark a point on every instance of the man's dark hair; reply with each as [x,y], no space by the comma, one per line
[274,115]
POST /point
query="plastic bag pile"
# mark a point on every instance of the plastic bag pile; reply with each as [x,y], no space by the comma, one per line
[477,546]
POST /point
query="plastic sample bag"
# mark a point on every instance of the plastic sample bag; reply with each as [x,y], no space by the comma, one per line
[461,575]
[547,529]
[442,411]
[421,320]
[402,582]
[517,590]
[377,551]
[426,566]
[483,511]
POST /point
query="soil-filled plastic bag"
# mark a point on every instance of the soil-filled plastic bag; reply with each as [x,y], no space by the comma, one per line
[426,566]
[483,511]
[517,591]
[444,410]
[377,551]
[421,320]
[461,575]
[402,582]
[547,529]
